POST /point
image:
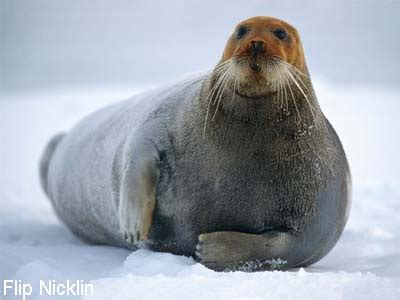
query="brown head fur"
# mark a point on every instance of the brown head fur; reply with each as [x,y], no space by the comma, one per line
[264,29]
[262,76]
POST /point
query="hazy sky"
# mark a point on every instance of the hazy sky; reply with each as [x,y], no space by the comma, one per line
[52,43]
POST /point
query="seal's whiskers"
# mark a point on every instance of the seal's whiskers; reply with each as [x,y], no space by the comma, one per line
[224,85]
[293,76]
[292,96]
[222,72]
[311,108]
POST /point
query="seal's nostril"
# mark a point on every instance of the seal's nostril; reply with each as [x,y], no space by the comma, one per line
[256,47]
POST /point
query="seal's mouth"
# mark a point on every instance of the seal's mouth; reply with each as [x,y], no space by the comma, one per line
[255,77]
[248,77]
[256,97]
[255,67]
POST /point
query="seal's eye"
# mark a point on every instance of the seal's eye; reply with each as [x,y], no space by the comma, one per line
[280,34]
[241,32]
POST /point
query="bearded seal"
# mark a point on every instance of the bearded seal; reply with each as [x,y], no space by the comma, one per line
[238,168]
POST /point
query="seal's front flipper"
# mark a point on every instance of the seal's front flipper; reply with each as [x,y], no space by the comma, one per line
[138,196]
[229,250]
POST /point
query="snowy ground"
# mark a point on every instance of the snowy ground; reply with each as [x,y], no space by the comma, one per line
[365,264]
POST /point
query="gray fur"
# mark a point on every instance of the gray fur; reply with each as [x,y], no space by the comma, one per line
[45,160]
[260,187]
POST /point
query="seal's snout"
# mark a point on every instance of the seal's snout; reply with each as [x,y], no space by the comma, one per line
[256,47]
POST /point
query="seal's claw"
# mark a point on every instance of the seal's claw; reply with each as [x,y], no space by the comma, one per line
[130,237]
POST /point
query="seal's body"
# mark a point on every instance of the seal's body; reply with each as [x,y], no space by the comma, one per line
[238,168]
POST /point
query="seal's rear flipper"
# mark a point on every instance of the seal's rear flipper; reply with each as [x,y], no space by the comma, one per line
[46,158]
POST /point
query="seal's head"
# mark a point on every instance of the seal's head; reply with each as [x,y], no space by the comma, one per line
[261,56]
[262,75]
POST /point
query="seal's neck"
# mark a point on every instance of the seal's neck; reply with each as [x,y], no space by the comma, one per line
[234,119]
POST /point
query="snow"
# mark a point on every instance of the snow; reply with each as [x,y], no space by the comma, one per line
[365,264]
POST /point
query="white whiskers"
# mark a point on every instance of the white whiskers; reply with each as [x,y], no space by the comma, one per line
[292,78]
[224,76]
